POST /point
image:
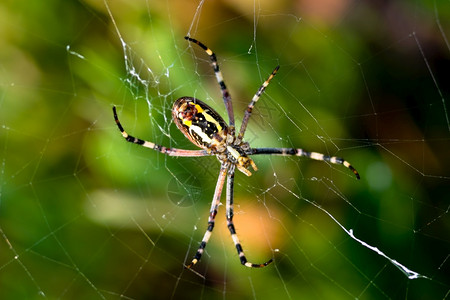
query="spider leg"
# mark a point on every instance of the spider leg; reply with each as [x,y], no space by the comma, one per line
[225,94]
[301,152]
[212,216]
[255,98]
[159,148]
[230,224]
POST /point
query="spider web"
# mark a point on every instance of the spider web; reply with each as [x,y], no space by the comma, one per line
[83,214]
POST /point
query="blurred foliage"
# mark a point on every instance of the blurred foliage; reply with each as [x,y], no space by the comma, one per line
[84,215]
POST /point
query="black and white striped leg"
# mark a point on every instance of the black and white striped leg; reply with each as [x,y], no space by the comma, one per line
[230,224]
[301,152]
[255,98]
[223,88]
[212,216]
[156,147]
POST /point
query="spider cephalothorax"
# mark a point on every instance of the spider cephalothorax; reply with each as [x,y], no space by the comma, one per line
[205,128]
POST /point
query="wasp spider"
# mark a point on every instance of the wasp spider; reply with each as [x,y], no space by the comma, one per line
[205,128]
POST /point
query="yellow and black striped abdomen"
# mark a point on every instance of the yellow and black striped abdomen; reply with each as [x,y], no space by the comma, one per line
[201,124]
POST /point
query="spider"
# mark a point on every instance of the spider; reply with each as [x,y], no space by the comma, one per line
[205,128]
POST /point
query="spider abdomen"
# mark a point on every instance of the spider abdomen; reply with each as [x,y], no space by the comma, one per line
[201,124]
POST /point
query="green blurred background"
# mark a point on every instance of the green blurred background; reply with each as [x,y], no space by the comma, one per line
[85,215]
